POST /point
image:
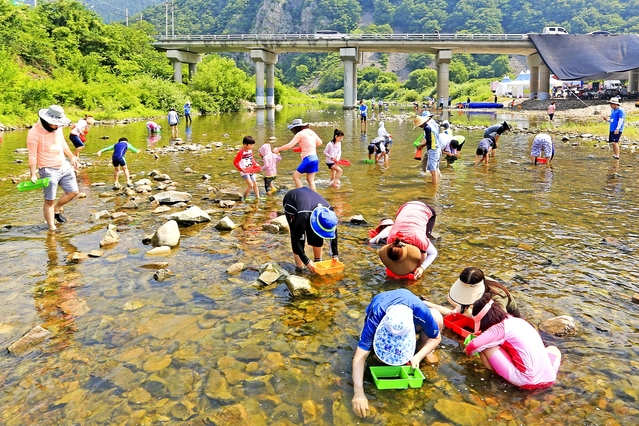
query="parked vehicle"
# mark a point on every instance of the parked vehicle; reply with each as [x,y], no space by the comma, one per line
[600,33]
[554,30]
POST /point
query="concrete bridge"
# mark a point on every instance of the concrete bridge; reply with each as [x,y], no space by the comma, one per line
[264,50]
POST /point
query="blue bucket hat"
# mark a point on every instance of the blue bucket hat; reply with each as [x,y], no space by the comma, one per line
[324,222]
[395,341]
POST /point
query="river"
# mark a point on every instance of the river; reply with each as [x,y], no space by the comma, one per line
[205,347]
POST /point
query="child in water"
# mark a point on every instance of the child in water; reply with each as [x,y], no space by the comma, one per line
[243,161]
[119,151]
[270,165]
[333,153]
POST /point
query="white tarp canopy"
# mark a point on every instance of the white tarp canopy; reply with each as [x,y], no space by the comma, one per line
[520,85]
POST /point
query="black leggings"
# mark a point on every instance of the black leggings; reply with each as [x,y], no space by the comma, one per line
[431,223]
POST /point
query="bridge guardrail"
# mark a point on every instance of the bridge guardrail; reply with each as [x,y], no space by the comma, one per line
[353,37]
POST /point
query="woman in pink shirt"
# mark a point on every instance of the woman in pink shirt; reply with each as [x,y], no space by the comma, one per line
[308,141]
[551,109]
[512,348]
[409,249]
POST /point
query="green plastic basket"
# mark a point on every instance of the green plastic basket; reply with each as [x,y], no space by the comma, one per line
[366,160]
[27,185]
[397,377]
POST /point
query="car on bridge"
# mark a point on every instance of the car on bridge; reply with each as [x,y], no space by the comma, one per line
[601,32]
[329,35]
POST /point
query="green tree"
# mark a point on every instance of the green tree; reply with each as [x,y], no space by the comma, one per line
[223,81]
[422,79]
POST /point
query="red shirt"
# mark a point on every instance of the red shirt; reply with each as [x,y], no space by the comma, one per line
[410,225]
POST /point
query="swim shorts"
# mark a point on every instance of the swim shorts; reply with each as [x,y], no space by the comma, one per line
[434,155]
[248,176]
[118,162]
[330,165]
[542,143]
[76,141]
[309,164]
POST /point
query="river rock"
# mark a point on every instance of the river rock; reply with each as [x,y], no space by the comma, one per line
[110,237]
[271,272]
[171,197]
[311,411]
[225,224]
[227,203]
[162,209]
[230,195]
[357,219]
[130,205]
[166,235]
[188,170]
[249,353]
[156,363]
[118,215]
[143,189]
[299,286]
[271,228]
[559,326]
[36,335]
[133,305]
[144,181]
[94,217]
[159,251]
[96,253]
[193,214]
[217,388]
[235,415]
[162,274]
[77,257]
[282,223]
[461,413]
[235,268]
[162,177]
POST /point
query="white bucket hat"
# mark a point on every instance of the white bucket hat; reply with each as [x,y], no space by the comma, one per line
[54,115]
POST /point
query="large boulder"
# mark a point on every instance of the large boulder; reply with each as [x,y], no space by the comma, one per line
[171,197]
[166,235]
[191,215]
[299,286]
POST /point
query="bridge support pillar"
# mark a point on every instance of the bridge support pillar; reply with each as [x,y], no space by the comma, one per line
[544,82]
[633,80]
[179,57]
[442,59]
[534,62]
[264,65]
[350,59]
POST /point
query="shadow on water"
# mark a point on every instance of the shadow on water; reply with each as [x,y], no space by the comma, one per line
[206,346]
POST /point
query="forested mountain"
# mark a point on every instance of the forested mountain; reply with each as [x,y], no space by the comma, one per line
[404,16]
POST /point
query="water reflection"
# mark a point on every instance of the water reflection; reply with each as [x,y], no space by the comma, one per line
[205,346]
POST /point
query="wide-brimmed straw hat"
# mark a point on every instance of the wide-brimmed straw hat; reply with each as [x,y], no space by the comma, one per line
[324,222]
[466,294]
[298,122]
[395,341]
[407,262]
[421,119]
[54,115]
[615,101]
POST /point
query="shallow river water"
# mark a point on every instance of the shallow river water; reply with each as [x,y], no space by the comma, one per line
[205,347]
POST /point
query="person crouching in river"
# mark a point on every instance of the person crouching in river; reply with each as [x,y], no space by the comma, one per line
[409,249]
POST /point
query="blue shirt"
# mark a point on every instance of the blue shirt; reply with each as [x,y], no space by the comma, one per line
[363,109]
[187,109]
[617,119]
[377,310]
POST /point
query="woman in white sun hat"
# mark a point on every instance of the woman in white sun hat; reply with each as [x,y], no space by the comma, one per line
[470,287]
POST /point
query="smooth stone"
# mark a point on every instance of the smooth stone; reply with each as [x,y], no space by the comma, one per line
[75,307]
[299,286]
[110,237]
[235,327]
[156,363]
[357,219]
[94,217]
[230,195]
[461,413]
[171,197]
[225,224]
[162,274]
[249,353]
[132,305]
[118,215]
[129,205]
[193,214]
[282,223]
[217,388]
[139,396]
[167,235]
[34,336]
[271,228]
[559,326]
[162,209]
[155,265]
[235,268]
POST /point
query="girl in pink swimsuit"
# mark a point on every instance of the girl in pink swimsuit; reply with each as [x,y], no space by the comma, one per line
[512,348]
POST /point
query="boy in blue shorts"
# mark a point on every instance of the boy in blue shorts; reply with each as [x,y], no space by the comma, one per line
[119,151]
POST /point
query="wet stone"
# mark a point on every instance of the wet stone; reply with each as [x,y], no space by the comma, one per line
[461,413]
[559,326]
[235,268]
[217,388]
[36,335]
[249,353]
[281,347]
[139,396]
[236,327]
[132,305]
[159,251]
